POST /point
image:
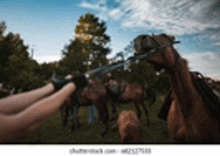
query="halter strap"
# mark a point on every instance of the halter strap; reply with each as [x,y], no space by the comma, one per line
[177,61]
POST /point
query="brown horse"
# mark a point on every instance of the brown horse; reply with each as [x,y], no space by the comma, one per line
[130,93]
[67,110]
[96,94]
[129,127]
[189,118]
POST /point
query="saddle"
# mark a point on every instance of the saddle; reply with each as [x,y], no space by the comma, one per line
[208,95]
[117,91]
[114,89]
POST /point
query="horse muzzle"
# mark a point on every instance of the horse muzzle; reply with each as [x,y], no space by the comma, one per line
[145,44]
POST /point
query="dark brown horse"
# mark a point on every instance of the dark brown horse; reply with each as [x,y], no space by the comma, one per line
[124,93]
[129,127]
[96,94]
[190,118]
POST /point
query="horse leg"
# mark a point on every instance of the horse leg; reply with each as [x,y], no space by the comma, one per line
[138,110]
[104,116]
[150,95]
[146,112]
[78,125]
[106,128]
[66,114]
[75,117]
[92,114]
[114,111]
[71,110]
[105,122]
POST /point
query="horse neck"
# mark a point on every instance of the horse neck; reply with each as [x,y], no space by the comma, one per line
[183,88]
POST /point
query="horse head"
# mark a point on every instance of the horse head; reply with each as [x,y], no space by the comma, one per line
[165,55]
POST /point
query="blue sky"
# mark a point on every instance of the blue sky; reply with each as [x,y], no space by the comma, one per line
[48,25]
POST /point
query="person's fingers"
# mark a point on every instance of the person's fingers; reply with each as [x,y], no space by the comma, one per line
[69,77]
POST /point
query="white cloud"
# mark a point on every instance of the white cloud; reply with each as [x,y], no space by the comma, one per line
[47,59]
[217,43]
[215,35]
[90,6]
[116,14]
[99,5]
[206,63]
[176,17]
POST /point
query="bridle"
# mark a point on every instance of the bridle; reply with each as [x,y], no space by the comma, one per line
[162,47]
[142,53]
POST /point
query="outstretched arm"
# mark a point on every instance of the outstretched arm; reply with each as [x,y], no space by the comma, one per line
[28,120]
[16,103]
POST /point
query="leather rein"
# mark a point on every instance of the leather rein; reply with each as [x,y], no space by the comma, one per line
[177,61]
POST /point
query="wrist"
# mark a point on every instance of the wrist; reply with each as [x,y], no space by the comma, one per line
[59,83]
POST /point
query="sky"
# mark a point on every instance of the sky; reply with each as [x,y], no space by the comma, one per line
[47,26]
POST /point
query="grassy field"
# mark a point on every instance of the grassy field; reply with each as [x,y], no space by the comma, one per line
[52,132]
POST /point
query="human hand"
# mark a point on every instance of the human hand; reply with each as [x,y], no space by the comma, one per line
[80,81]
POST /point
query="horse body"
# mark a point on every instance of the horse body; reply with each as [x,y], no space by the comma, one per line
[189,117]
[129,128]
[131,93]
[96,94]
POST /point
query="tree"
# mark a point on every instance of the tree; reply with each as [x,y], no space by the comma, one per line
[94,41]
[16,55]
[73,58]
[2,28]
[11,45]
[89,48]
[143,74]
[17,69]
[163,84]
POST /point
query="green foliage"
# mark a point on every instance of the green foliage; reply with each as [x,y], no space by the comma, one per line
[2,28]
[46,70]
[74,57]
[23,72]
[17,69]
[141,73]
[6,50]
[14,56]
[163,83]
[123,75]
[90,44]
[27,81]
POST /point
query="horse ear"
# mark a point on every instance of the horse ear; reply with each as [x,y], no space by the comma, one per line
[173,38]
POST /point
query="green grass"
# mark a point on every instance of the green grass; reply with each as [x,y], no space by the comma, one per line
[52,132]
